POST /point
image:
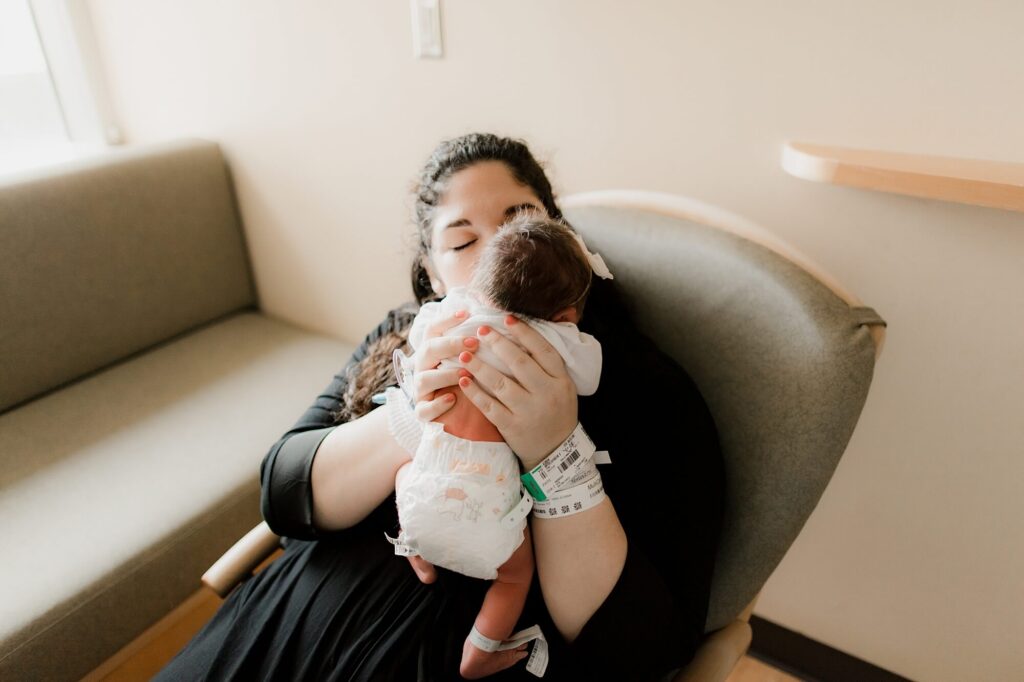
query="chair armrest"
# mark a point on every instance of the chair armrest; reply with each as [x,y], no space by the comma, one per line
[718,655]
[238,563]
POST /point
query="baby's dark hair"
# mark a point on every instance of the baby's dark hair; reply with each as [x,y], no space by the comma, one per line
[534,266]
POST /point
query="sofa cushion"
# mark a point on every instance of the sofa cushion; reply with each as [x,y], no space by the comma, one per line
[105,257]
[118,491]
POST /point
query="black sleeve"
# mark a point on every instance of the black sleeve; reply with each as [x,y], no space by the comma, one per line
[666,481]
[286,493]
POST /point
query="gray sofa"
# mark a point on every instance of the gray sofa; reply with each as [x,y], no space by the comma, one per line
[140,386]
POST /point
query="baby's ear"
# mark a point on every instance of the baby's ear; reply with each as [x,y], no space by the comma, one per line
[567,315]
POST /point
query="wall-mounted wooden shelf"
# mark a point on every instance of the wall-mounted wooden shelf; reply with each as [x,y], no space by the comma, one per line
[995,184]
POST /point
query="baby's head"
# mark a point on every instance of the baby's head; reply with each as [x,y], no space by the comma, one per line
[534,266]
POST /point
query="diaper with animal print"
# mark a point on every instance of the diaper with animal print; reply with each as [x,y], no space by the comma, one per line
[452,501]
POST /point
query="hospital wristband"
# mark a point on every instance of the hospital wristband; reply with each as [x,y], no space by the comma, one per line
[483,642]
[537,663]
[570,464]
[572,500]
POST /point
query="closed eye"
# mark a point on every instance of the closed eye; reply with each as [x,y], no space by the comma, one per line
[460,248]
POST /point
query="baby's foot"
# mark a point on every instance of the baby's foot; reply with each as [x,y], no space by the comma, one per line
[477,663]
[425,570]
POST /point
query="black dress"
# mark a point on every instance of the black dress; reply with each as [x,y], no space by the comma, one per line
[341,606]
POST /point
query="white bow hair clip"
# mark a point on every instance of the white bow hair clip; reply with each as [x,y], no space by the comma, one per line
[597,263]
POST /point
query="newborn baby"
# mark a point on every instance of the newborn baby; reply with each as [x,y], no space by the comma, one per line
[460,500]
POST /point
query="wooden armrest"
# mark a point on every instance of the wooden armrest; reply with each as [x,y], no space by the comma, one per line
[238,563]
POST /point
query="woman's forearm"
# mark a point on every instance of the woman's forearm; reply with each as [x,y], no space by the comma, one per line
[354,471]
[579,560]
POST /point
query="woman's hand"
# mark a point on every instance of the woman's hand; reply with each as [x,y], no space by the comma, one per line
[427,377]
[535,409]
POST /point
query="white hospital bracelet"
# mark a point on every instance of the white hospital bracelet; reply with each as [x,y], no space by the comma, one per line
[537,663]
[568,466]
[572,500]
[483,642]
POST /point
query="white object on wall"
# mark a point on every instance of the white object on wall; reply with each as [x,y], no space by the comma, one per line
[426,29]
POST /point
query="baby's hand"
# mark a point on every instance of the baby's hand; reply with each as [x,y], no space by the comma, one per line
[477,663]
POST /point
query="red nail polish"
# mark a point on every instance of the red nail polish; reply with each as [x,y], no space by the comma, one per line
[465,356]
[460,313]
[483,331]
[449,397]
[509,321]
[464,373]
[464,382]
[470,342]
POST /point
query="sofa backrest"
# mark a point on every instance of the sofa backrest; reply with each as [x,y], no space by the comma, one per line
[103,258]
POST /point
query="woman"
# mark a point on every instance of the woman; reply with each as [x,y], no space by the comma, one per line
[621,589]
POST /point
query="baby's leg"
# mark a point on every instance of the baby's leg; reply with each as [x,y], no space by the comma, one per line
[424,570]
[502,606]
[505,598]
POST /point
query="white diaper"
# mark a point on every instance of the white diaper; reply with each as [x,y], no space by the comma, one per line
[452,501]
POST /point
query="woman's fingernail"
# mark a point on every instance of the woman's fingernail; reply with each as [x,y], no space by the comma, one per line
[464,382]
[465,356]
[449,397]
[470,342]
[510,320]
[464,373]
[460,313]
[483,331]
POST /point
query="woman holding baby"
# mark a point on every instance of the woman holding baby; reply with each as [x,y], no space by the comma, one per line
[621,582]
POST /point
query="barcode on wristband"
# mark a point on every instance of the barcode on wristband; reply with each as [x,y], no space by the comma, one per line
[567,462]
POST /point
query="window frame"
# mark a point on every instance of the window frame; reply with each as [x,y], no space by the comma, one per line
[68,42]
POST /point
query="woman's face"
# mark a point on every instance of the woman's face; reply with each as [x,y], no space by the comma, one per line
[479,199]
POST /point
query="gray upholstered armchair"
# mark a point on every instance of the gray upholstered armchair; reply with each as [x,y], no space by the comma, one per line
[782,354]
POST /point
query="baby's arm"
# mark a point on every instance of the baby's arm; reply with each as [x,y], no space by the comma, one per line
[502,606]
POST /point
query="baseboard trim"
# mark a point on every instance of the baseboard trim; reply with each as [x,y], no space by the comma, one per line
[810,660]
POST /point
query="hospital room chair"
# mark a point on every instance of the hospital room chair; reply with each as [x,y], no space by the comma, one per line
[782,353]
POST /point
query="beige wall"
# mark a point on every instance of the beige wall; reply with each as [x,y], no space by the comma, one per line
[914,558]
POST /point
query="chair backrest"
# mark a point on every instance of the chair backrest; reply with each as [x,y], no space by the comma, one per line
[105,257]
[782,355]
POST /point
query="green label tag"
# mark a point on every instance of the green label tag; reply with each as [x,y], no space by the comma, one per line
[532,487]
